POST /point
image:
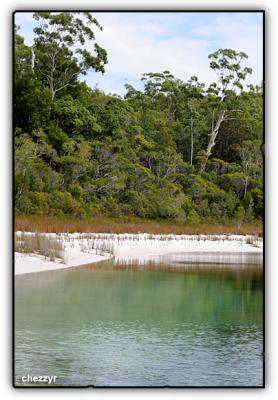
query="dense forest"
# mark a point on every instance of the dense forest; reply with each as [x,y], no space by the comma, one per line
[175,150]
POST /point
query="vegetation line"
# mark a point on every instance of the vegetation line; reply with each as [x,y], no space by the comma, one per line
[179,151]
[132,225]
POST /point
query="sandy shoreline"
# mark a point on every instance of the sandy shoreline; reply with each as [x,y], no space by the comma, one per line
[81,249]
[29,263]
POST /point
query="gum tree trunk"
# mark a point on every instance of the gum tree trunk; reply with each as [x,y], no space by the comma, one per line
[212,139]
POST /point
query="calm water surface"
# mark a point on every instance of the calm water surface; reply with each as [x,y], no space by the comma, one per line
[173,324]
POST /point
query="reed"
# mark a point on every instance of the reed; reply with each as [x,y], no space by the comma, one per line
[129,225]
[37,243]
[103,248]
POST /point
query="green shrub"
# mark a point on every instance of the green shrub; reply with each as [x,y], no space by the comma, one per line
[210,201]
[24,204]
[235,182]
[258,203]
[76,191]
[65,203]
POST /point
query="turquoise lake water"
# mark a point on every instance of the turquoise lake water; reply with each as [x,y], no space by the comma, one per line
[128,325]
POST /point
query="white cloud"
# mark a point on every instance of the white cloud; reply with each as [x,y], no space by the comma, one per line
[138,47]
[180,42]
[26,23]
[241,32]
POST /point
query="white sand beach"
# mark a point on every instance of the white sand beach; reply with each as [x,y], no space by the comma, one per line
[83,249]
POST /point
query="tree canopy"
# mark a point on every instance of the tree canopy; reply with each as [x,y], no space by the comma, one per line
[61,48]
[174,150]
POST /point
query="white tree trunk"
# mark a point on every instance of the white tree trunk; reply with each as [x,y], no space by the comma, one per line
[192,141]
[212,139]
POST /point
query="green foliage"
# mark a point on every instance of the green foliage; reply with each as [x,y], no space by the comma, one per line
[81,152]
[227,64]
[74,118]
[258,203]
[234,182]
[211,201]
[56,137]
[63,203]
[61,48]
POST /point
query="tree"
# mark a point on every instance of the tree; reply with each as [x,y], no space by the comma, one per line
[81,152]
[227,65]
[157,82]
[31,98]
[23,57]
[251,161]
[60,51]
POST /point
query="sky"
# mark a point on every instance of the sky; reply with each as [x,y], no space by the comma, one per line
[179,42]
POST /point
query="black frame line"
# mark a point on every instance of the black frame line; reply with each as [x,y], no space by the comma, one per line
[138,10]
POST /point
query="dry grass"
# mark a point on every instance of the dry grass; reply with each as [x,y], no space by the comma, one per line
[104,248]
[39,244]
[107,225]
[100,247]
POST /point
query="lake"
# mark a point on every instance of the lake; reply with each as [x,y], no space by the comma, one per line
[169,323]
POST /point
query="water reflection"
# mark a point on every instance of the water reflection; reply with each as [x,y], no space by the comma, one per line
[116,324]
[195,257]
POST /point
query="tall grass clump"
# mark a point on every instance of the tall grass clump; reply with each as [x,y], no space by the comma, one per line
[37,243]
[103,248]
